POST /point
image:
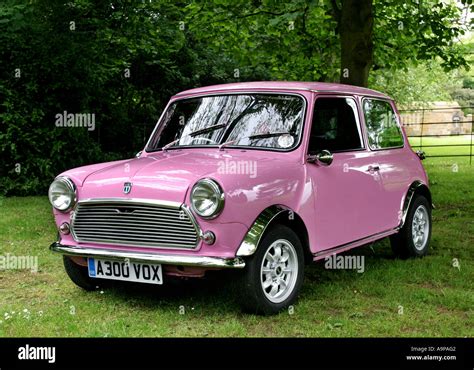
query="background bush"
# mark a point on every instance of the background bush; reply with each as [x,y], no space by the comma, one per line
[122,60]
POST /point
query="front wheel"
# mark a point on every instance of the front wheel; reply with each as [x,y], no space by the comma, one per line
[274,274]
[413,239]
[78,274]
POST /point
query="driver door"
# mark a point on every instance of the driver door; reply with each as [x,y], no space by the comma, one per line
[348,192]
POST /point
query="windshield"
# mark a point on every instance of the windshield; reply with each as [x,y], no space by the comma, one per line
[249,120]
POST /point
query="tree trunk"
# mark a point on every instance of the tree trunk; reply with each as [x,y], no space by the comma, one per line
[355,27]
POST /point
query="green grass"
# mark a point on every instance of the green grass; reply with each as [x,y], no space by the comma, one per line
[437,298]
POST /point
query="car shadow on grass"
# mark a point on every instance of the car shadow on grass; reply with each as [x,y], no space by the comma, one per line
[375,255]
[217,291]
[214,292]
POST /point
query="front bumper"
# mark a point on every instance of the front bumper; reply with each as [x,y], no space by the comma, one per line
[164,259]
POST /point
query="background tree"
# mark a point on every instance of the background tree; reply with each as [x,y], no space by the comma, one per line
[326,39]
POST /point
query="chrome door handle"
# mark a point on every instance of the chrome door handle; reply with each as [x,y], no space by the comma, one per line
[373,168]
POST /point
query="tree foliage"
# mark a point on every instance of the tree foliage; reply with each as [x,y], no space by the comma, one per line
[301,39]
[122,60]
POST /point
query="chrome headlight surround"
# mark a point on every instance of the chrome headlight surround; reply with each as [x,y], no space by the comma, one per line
[62,194]
[207,198]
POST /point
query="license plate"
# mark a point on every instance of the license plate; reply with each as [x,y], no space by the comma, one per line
[126,271]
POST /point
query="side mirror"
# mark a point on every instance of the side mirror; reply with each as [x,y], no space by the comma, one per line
[138,154]
[324,158]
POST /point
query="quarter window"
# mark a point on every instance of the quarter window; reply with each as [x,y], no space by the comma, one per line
[335,126]
[383,130]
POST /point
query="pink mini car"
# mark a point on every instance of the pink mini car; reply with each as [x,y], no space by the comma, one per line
[263,177]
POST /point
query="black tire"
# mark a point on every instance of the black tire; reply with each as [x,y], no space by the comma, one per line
[402,243]
[253,297]
[79,275]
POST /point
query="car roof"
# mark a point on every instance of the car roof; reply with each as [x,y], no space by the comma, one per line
[320,87]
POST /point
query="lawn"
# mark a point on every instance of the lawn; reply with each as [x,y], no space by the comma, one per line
[418,297]
[463,142]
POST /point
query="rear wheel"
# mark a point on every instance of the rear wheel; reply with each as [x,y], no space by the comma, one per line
[274,274]
[78,274]
[413,239]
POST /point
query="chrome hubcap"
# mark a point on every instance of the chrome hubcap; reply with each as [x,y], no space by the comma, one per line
[279,270]
[420,227]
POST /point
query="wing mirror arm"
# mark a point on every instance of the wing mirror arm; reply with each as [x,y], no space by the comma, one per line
[323,158]
[420,154]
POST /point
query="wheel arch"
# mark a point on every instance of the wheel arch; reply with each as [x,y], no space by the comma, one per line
[276,214]
[416,188]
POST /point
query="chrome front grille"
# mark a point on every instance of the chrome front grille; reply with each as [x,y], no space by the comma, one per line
[139,223]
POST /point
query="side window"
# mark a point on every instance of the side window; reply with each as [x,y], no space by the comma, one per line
[383,130]
[335,126]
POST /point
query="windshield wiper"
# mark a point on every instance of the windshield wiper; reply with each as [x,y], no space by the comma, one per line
[205,130]
[165,148]
[193,134]
[268,134]
[255,136]
[221,147]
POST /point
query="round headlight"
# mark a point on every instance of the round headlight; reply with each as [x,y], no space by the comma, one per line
[62,194]
[207,198]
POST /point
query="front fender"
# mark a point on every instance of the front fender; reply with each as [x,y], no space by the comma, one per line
[252,238]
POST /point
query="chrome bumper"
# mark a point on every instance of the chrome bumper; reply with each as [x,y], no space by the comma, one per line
[165,259]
